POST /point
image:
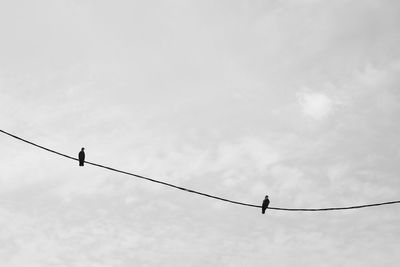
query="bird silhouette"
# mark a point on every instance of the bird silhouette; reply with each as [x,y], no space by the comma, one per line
[81,157]
[265,204]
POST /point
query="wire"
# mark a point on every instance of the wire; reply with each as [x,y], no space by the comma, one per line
[197,192]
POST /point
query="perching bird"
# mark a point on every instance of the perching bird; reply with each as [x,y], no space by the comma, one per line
[265,204]
[81,157]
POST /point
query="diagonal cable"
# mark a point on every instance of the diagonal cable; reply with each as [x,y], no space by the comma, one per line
[197,192]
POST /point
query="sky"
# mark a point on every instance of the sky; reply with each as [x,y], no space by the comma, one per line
[297,99]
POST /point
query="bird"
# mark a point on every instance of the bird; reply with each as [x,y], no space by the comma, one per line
[81,157]
[265,204]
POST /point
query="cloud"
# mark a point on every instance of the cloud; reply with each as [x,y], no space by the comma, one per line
[152,93]
[315,105]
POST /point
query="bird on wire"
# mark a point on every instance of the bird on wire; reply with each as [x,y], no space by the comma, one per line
[266,200]
[81,157]
[265,204]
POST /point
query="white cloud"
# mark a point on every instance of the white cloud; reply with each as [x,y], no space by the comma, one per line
[315,105]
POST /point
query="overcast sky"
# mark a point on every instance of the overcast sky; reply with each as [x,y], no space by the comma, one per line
[297,99]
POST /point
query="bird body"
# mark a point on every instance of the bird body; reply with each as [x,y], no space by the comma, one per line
[265,204]
[81,157]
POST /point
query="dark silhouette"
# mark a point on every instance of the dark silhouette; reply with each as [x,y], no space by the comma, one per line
[81,157]
[265,204]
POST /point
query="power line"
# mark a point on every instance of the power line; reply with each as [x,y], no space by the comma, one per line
[197,192]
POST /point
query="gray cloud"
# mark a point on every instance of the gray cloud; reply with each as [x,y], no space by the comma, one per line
[209,96]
